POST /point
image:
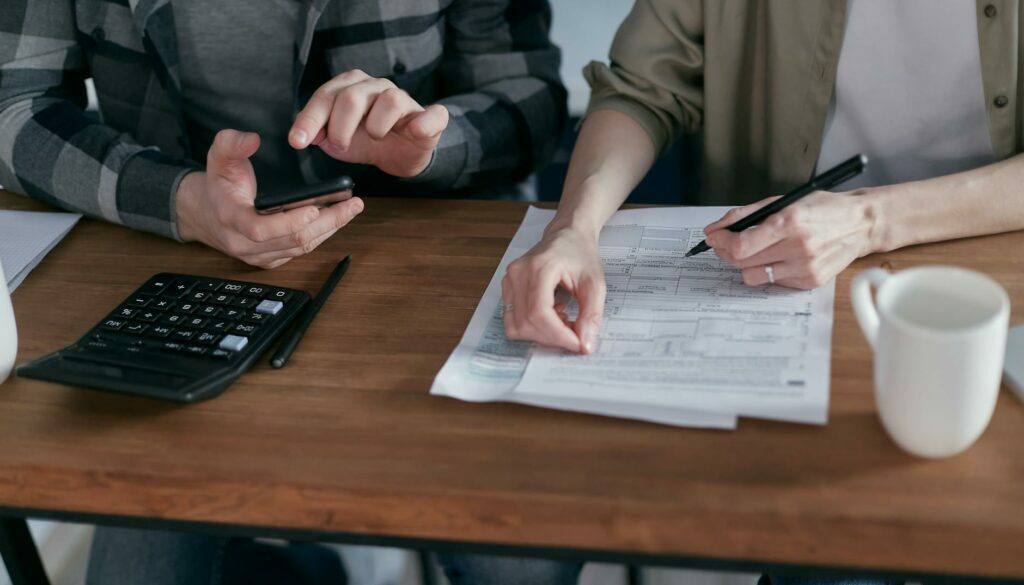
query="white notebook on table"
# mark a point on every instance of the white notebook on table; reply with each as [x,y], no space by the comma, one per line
[26,237]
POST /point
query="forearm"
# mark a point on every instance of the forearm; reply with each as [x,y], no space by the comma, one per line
[982,201]
[612,155]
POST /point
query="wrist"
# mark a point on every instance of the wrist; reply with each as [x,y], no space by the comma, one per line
[187,204]
[874,209]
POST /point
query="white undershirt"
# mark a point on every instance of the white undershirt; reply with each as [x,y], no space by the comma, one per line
[908,92]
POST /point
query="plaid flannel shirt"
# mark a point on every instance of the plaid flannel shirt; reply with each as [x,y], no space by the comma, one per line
[490,62]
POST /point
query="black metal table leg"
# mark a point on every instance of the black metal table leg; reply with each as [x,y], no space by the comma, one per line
[19,553]
[635,575]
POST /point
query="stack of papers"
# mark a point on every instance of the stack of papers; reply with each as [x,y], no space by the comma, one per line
[26,237]
[684,341]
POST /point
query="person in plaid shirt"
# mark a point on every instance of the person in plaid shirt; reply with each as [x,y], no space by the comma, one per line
[200,102]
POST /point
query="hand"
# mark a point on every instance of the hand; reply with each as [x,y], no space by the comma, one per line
[216,208]
[807,244]
[566,258]
[360,119]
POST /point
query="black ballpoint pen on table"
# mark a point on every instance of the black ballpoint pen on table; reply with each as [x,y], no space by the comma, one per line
[829,179]
[293,337]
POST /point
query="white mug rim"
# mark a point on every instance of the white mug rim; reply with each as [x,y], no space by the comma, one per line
[882,304]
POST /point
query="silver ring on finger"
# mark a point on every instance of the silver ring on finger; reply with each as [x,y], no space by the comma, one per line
[770,271]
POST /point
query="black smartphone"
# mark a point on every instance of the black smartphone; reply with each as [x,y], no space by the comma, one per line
[321,195]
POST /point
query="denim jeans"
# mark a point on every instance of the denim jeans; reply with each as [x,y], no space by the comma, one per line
[122,556]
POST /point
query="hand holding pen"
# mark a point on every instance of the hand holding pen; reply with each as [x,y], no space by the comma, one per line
[799,246]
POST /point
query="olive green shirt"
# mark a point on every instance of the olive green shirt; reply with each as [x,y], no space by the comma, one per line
[757,78]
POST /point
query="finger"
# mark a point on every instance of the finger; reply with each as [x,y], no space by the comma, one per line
[275,258]
[752,240]
[591,295]
[391,106]
[542,322]
[229,154]
[787,249]
[351,105]
[507,296]
[735,214]
[312,119]
[758,275]
[429,124]
[265,228]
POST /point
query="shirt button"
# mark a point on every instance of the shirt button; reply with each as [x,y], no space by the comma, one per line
[399,68]
[990,11]
[1001,101]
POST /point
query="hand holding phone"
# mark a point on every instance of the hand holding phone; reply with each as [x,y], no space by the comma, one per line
[217,208]
[319,195]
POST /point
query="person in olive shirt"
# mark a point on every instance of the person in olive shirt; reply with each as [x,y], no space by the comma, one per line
[927,90]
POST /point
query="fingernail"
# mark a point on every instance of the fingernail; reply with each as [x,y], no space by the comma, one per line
[358,205]
[312,214]
[299,137]
[589,341]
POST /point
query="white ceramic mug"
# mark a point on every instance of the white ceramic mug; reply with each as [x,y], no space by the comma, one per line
[8,332]
[939,336]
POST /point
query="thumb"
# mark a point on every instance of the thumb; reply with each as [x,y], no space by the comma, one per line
[735,214]
[590,296]
[229,155]
[428,124]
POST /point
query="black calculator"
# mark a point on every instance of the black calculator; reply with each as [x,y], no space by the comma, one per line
[178,337]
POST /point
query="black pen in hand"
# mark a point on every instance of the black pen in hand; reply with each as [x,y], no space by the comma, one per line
[293,337]
[830,179]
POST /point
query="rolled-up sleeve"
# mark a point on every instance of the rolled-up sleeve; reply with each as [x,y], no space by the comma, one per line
[656,74]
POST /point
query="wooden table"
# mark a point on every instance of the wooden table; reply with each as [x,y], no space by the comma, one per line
[346,445]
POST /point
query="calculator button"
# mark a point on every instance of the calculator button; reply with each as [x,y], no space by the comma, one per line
[244,302]
[186,307]
[126,312]
[233,343]
[219,326]
[205,338]
[244,329]
[221,299]
[195,350]
[177,289]
[257,318]
[256,291]
[207,285]
[232,314]
[208,311]
[199,295]
[154,287]
[195,322]
[147,316]
[269,307]
[138,301]
[231,287]
[113,324]
[135,328]
[277,294]
[160,330]
[183,335]
[162,304]
[172,346]
[173,319]
[221,354]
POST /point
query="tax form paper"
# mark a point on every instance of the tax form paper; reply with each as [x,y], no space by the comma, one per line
[684,341]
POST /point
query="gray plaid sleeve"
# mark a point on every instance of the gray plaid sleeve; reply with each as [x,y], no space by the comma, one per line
[506,98]
[50,150]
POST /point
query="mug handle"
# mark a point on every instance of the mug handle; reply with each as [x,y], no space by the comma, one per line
[863,305]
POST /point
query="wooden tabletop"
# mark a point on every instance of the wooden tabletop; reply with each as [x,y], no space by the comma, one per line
[346,439]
